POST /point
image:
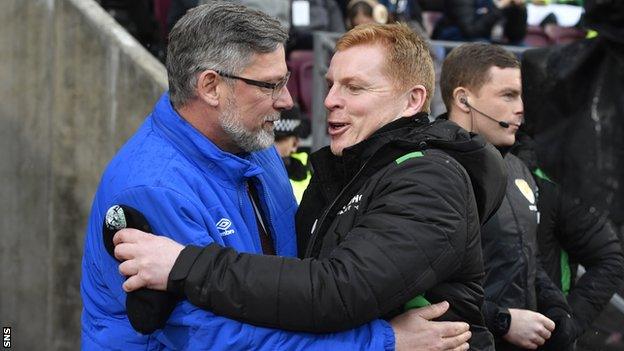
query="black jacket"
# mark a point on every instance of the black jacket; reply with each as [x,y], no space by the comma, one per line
[571,233]
[574,110]
[395,217]
[579,233]
[514,277]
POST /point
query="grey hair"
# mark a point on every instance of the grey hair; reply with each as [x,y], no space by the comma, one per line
[219,36]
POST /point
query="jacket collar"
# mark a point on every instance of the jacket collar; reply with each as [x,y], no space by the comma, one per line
[200,150]
[362,151]
[481,160]
[337,169]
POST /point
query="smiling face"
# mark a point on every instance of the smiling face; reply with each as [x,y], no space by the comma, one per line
[250,111]
[361,98]
[500,97]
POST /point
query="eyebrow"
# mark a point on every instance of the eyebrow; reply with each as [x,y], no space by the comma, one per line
[274,78]
[511,90]
[346,80]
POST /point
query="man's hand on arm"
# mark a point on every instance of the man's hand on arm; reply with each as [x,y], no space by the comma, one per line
[414,330]
[147,258]
[528,329]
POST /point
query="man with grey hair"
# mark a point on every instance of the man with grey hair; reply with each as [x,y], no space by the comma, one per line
[201,167]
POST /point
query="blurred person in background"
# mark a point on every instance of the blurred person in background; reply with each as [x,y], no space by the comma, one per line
[475,20]
[365,11]
[289,130]
[407,11]
[384,11]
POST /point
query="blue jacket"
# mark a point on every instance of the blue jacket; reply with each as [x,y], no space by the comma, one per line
[188,189]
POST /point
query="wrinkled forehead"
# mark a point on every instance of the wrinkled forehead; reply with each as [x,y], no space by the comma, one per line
[270,65]
[358,60]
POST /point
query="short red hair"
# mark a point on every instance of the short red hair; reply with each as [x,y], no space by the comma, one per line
[408,60]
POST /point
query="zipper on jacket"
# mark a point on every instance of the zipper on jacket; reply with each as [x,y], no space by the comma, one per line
[272,233]
[319,222]
[250,228]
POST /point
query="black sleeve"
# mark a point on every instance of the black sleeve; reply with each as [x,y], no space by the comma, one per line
[462,13]
[590,239]
[411,236]
[552,303]
[549,296]
[490,312]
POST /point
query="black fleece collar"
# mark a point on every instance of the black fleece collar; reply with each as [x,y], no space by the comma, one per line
[355,156]
[337,170]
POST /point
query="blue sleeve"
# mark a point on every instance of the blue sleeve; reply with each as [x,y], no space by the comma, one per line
[174,215]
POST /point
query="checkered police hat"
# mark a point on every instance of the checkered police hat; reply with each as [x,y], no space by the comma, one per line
[291,123]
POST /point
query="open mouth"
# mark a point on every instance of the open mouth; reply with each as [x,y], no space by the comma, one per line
[337,128]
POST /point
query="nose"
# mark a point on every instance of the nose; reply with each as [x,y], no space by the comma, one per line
[519,108]
[332,100]
[284,100]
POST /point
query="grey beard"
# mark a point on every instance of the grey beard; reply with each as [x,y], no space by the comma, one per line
[246,140]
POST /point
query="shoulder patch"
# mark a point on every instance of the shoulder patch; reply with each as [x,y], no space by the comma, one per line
[408,156]
[525,189]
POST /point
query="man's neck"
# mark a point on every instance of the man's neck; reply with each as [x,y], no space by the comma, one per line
[465,121]
[461,119]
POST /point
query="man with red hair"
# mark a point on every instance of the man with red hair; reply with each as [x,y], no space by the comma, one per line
[390,220]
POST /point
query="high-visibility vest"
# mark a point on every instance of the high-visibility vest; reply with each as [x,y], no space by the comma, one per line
[299,186]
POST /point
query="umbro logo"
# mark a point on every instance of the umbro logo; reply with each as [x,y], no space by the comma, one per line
[224,225]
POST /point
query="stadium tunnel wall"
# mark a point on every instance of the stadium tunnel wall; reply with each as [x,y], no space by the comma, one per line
[74,86]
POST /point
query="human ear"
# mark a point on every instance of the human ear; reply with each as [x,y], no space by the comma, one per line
[208,87]
[460,99]
[416,100]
